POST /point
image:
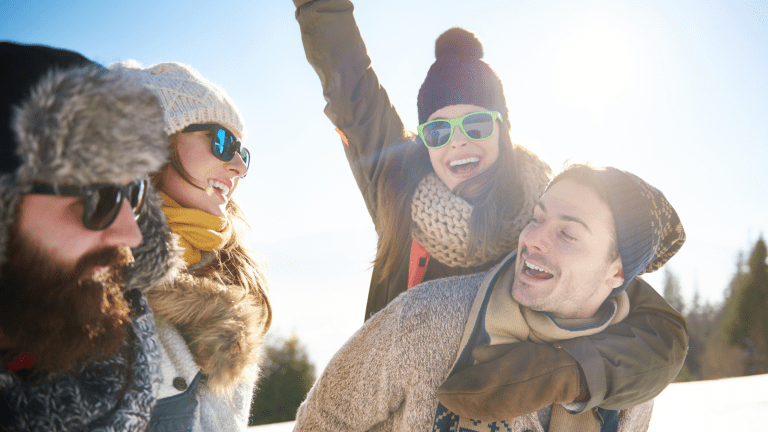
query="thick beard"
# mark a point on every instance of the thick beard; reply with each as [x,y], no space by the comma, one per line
[59,315]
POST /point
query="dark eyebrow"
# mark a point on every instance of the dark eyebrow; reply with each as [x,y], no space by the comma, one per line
[566,218]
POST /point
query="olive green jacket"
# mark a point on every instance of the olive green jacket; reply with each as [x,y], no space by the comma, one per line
[625,365]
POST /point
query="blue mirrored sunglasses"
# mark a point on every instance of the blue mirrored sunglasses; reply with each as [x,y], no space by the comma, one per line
[224,145]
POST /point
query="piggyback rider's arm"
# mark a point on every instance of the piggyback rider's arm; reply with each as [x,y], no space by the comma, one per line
[356,103]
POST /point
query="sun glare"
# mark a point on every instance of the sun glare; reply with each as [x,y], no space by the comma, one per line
[594,64]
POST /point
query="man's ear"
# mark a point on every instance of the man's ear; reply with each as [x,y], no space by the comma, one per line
[615,274]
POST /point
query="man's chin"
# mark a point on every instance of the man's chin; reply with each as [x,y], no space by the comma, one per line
[60,321]
[529,295]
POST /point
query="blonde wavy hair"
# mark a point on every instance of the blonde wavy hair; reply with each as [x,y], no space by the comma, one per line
[236,264]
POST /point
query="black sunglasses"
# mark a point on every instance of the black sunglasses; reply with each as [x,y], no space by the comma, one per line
[224,145]
[102,200]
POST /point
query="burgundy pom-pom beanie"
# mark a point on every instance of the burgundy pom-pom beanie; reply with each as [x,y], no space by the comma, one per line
[460,76]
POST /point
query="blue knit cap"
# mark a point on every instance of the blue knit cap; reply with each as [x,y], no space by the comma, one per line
[648,230]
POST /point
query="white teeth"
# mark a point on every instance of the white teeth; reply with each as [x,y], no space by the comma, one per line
[219,185]
[533,267]
[464,161]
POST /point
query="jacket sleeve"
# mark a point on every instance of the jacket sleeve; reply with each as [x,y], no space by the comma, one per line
[355,101]
[633,361]
[361,385]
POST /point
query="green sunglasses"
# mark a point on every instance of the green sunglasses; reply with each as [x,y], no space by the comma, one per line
[475,126]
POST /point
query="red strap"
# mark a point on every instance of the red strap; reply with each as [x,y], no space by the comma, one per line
[21,361]
[417,264]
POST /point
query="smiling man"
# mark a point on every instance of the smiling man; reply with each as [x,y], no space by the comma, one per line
[592,232]
[568,259]
[78,346]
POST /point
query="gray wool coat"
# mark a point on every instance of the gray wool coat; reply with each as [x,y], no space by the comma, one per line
[386,376]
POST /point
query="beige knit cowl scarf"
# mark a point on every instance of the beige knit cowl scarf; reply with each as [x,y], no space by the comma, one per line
[442,219]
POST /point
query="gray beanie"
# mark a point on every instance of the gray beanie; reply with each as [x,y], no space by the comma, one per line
[186,96]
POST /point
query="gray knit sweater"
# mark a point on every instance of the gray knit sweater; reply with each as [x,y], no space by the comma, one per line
[386,376]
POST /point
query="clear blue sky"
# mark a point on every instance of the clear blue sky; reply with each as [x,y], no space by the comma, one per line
[676,92]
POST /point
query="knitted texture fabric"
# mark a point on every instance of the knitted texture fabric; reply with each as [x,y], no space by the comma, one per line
[176,360]
[386,376]
[648,229]
[199,231]
[77,123]
[442,223]
[187,97]
[442,219]
[494,312]
[459,76]
[113,395]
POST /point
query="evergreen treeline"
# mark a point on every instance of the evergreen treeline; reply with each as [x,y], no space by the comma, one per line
[286,377]
[729,339]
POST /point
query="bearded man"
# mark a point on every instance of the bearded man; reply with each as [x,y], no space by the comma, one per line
[78,346]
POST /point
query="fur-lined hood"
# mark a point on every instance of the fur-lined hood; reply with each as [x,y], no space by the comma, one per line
[221,324]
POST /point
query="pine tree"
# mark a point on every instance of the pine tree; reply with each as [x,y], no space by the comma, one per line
[672,291]
[286,377]
[747,324]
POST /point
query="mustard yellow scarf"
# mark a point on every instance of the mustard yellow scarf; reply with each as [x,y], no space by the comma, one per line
[199,231]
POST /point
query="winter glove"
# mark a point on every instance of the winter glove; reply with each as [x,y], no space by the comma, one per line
[510,380]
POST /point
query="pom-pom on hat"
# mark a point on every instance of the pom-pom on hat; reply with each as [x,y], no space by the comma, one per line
[186,96]
[460,76]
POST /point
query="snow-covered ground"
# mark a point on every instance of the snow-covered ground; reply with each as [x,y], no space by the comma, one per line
[732,404]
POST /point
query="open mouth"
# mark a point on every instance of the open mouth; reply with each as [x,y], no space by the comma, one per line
[536,271]
[219,187]
[462,166]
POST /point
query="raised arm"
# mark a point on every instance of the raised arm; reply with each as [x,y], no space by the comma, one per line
[356,103]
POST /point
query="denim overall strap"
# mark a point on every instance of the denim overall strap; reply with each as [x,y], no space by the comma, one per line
[176,413]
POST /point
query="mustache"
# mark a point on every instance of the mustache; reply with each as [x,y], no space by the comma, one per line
[117,259]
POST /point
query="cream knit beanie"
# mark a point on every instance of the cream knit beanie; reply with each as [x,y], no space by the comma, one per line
[186,96]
